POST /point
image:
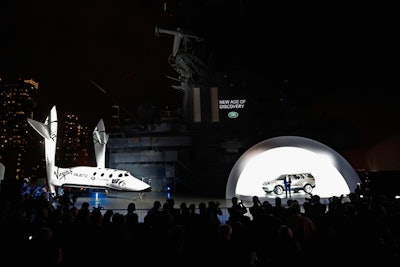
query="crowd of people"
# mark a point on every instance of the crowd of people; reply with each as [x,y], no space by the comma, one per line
[353,230]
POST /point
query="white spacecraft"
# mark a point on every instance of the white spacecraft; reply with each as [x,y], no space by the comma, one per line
[98,177]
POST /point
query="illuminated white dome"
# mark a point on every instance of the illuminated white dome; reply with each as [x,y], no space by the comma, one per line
[265,161]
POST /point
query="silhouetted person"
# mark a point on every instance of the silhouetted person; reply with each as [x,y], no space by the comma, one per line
[265,228]
[279,210]
[237,211]
[286,251]
[173,211]
[45,244]
[213,211]
[132,218]
[256,210]
[303,228]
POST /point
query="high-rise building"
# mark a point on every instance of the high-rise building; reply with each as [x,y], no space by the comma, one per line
[17,101]
[74,142]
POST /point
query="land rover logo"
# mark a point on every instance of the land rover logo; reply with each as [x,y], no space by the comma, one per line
[233,114]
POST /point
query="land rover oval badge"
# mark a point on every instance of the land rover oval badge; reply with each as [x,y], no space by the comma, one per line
[233,114]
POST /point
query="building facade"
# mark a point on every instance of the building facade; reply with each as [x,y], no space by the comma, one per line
[18,101]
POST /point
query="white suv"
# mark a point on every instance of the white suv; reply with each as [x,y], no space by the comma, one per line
[300,181]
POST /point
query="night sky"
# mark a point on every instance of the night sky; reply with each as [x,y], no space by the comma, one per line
[345,59]
[66,46]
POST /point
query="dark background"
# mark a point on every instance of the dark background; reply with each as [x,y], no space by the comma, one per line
[341,60]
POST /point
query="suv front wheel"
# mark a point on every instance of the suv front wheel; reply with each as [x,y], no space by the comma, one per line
[278,190]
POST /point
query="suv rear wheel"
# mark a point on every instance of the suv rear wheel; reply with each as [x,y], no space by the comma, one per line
[308,188]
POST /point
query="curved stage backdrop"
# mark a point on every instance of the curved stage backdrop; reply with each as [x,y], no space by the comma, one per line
[266,161]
